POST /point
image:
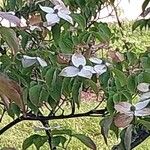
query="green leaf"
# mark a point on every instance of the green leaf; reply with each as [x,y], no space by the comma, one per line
[35,139]
[44,94]
[63,131]
[27,142]
[118,84]
[39,141]
[34,94]
[11,4]
[116,97]
[76,91]
[65,87]
[57,140]
[15,109]
[131,83]
[81,3]
[56,33]
[145,4]
[144,123]
[49,77]
[104,79]
[55,90]
[105,126]
[145,62]
[93,85]
[121,76]
[139,23]
[146,77]
[80,20]
[9,36]
[128,138]
[110,105]
[132,56]
[66,44]
[85,140]
[104,31]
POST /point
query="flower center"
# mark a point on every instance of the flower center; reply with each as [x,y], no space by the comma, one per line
[103,62]
[55,11]
[132,108]
[80,67]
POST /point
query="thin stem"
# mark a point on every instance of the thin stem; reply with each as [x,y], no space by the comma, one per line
[4,110]
[48,133]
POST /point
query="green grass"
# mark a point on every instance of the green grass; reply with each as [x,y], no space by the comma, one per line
[15,136]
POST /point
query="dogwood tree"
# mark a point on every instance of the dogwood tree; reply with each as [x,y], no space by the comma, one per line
[51,51]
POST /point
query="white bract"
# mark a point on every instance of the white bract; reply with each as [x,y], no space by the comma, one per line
[40,128]
[54,14]
[28,61]
[145,96]
[128,111]
[100,67]
[79,67]
[144,87]
[8,19]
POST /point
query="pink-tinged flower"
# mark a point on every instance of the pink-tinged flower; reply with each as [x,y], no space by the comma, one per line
[28,61]
[8,19]
[145,96]
[128,111]
[144,87]
[100,67]
[54,15]
[79,67]
[58,2]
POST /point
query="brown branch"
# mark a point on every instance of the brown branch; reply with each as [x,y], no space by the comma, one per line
[33,117]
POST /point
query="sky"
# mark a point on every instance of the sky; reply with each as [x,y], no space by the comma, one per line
[128,10]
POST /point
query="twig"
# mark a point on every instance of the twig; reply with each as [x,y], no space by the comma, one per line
[48,133]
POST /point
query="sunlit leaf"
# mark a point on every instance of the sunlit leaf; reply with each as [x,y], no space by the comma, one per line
[9,36]
[85,140]
[128,138]
[105,126]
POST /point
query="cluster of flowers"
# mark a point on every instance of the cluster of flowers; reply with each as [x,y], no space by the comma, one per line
[78,67]
[127,112]
[53,16]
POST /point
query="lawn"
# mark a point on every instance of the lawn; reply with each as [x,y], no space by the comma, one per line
[15,136]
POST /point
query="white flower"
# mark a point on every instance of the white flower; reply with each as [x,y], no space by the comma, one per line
[128,111]
[40,128]
[143,87]
[79,68]
[54,14]
[145,96]
[8,19]
[100,67]
[28,61]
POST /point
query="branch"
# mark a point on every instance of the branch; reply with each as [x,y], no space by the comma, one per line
[100,112]
[33,117]
[141,135]
[11,124]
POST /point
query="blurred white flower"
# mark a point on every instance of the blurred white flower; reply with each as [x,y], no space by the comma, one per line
[40,128]
[143,87]
[79,67]
[8,19]
[28,61]
[145,96]
[128,111]
[100,67]
[54,14]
